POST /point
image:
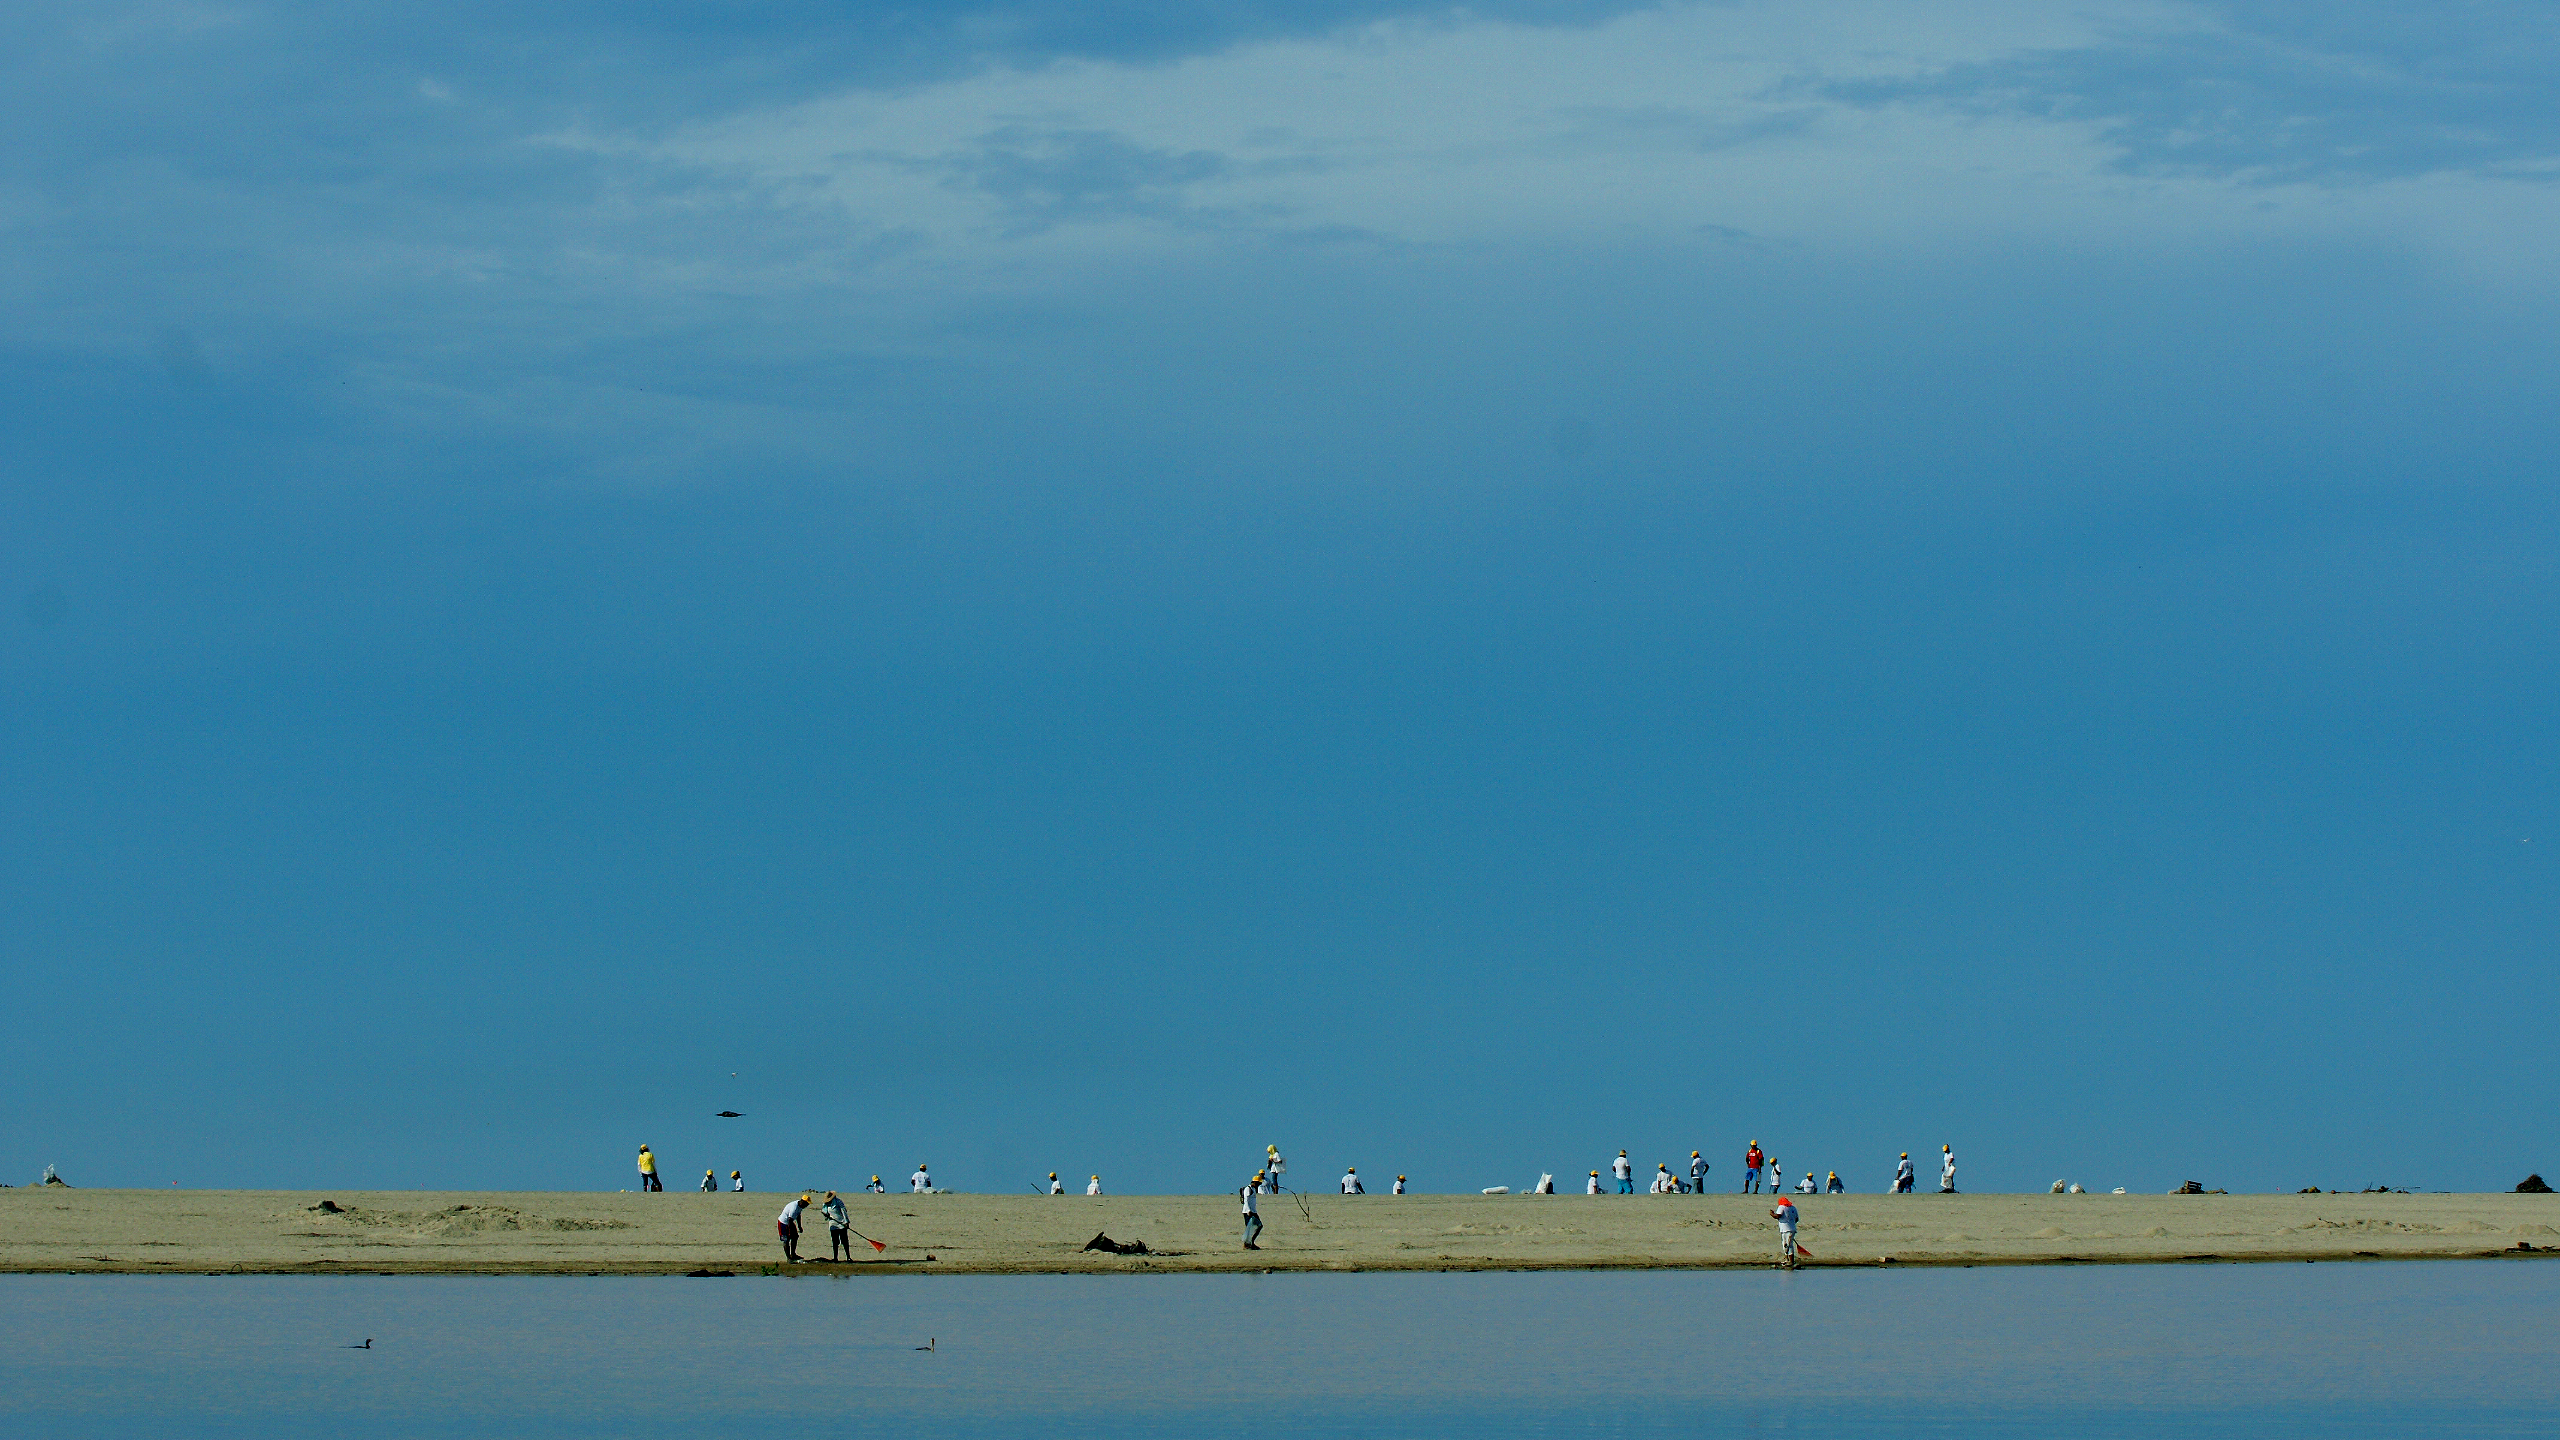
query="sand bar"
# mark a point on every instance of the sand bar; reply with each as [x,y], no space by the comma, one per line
[54,1231]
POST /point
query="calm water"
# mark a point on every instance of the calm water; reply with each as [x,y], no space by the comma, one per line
[2439,1348]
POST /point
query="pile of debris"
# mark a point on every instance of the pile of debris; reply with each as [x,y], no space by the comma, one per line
[2533,1185]
[1105,1243]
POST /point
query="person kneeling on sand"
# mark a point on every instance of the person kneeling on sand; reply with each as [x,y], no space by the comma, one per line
[1804,1184]
[1594,1187]
[1351,1182]
[710,1183]
[875,1187]
[839,1227]
[1550,1190]
[1093,1186]
[1833,1184]
[737,1182]
[787,1225]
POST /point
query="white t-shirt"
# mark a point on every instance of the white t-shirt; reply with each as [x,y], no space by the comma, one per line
[1592,1186]
[791,1213]
[1787,1218]
[919,1182]
[1094,1187]
[1621,1168]
[1246,1194]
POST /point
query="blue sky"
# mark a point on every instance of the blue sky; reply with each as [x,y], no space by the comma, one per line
[1090,588]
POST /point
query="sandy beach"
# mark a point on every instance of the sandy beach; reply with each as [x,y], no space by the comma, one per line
[56,1230]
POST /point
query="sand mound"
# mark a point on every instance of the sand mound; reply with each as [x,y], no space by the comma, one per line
[2050,1232]
[2531,1230]
[461,1220]
[2156,1232]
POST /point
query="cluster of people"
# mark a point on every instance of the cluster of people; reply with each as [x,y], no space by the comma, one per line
[840,1233]
[1092,1186]
[710,1181]
[1758,1169]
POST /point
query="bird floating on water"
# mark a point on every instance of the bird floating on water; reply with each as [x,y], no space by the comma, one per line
[928,1343]
[728,1115]
[367,1345]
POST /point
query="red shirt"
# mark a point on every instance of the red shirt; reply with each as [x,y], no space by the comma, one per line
[1751,1158]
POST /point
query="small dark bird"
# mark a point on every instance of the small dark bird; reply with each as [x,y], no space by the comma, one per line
[928,1344]
[728,1115]
[367,1345]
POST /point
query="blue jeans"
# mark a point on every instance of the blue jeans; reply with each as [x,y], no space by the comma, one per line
[1252,1228]
[1626,1186]
[1751,1181]
[1698,1183]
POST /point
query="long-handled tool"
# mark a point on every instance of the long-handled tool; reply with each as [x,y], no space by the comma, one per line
[865,1239]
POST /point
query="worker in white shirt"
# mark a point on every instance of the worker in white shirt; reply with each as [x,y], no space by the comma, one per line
[1351,1181]
[875,1187]
[787,1225]
[1777,1177]
[1663,1184]
[919,1182]
[1399,1186]
[1805,1185]
[1252,1210]
[710,1183]
[1697,1173]
[1056,1187]
[1785,1215]
[839,1227]
[1625,1170]
[1902,1174]
[1594,1187]
[737,1182]
[1947,1171]
[1093,1186]
[1274,1165]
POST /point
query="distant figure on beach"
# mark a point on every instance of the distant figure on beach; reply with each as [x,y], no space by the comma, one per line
[1594,1187]
[1252,1213]
[649,1170]
[839,1226]
[1777,1177]
[1697,1173]
[1833,1185]
[1902,1174]
[1551,1189]
[1785,1215]
[1625,1170]
[1351,1181]
[919,1182]
[1093,1186]
[710,1183]
[1805,1185]
[787,1225]
[737,1182]
[1056,1186]
[1662,1184]
[875,1187]
[1274,1166]
[1947,1171]
[1751,1161]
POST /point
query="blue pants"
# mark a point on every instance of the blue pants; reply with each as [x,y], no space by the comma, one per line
[1252,1228]
[1698,1183]
[1626,1186]
[1751,1181]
